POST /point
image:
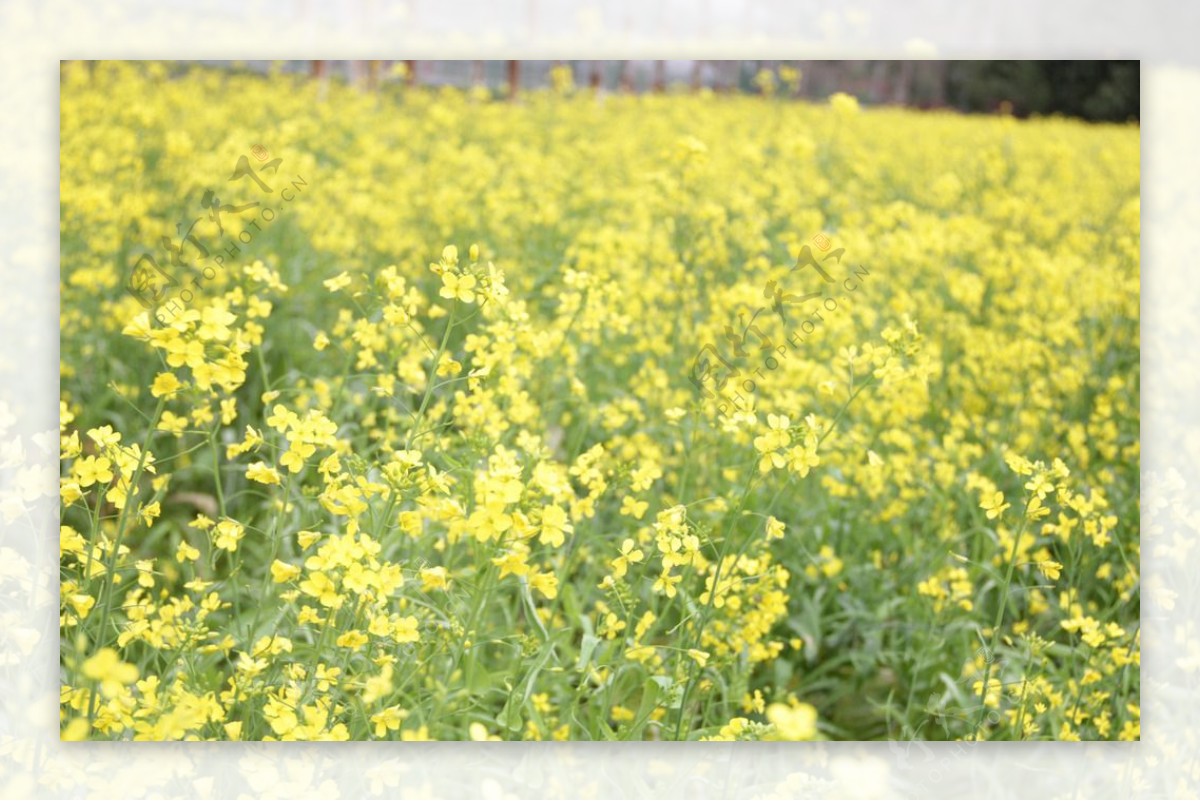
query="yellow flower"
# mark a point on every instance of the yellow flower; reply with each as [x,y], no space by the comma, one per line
[458,286]
[186,553]
[92,469]
[545,583]
[1036,509]
[434,578]
[282,572]
[104,437]
[387,720]
[419,734]
[69,492]
[512,562]
[1049,569]
[172,423]
[338,282]
[554,526]
[772,444]
[352,639]
[406,629]
[70,540]
[666,583]
[165,384]
[795,721]
[76,730]
[993,504]
[640,653]
[634,508]
[801,458]
[621,714]
[293,460]
[227,534]
[775,528]
[827,563]
[478,732]
[320,586]
[106,668]
[263,474]
[630,555]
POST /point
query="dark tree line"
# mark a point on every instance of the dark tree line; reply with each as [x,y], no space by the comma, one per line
[1094,90]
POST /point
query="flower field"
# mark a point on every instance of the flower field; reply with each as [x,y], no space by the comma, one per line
[423,414]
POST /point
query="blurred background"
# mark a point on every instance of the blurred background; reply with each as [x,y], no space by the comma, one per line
[1091,90]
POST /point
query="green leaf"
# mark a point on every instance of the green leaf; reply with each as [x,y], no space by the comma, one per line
[511,716]
[650,693]
[586,648]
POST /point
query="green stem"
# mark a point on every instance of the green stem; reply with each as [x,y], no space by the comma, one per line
[274,537]
[995,641]
[429,382]
[106,591]
[708,606]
